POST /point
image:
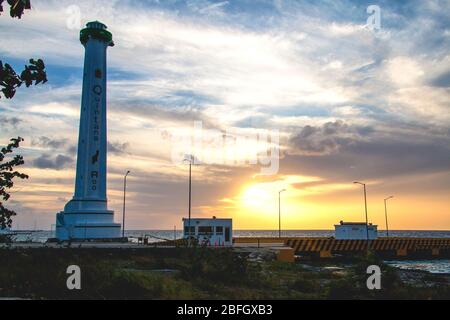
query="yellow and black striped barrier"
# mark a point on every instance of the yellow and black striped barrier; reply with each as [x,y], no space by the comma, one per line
[325,247]
[401,246]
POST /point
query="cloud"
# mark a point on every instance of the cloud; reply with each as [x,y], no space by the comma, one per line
[49,143]
[328,138]
[72,149]
[378,155]
[442,80]
[207,7]
[404,71]
[11,121]
[162,115]
[46,161]
[53,108]
[117,147]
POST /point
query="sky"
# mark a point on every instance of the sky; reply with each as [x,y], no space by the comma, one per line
[306,96]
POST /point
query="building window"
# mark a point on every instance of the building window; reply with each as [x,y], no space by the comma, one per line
[187,233]
[219,231]
[205,230]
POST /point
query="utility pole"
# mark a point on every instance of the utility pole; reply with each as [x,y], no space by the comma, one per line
[124,198]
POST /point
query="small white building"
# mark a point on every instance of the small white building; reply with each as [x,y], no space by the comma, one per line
[209,232]
[355,231]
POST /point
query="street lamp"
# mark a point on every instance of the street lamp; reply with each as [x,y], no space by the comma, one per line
[386,215]
[124,197]
[191,160]
[279,212]
[365,205]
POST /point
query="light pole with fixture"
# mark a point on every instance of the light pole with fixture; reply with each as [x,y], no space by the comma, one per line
[386,214]
[279,212]
[365,205]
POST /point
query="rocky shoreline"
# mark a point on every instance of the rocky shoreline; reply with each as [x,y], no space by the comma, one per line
[421,278]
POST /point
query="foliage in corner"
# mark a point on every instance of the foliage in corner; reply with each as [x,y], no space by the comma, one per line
[10,80]
[17,7]
[7,175]
[33,73]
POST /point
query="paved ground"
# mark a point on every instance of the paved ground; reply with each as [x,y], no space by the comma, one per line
[260,245]
[105,245]
[75,245]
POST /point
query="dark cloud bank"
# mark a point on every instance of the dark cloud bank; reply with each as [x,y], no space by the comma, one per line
[344,152]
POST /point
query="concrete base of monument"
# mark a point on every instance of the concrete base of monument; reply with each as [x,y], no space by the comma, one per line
[87,225]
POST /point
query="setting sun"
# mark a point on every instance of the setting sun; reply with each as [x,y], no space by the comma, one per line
[257,197]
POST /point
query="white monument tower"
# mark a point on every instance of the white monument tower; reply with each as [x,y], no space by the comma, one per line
[86,216]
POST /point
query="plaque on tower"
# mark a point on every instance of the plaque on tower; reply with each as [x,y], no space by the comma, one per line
[86,216]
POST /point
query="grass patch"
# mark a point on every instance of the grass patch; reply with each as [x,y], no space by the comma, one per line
[198,273]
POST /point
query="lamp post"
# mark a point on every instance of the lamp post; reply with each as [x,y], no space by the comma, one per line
[365,205]
[279,212]
[124,197]
[386,214]
[191,160]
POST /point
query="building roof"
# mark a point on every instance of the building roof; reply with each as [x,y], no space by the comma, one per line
[342,223]
[203,219]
